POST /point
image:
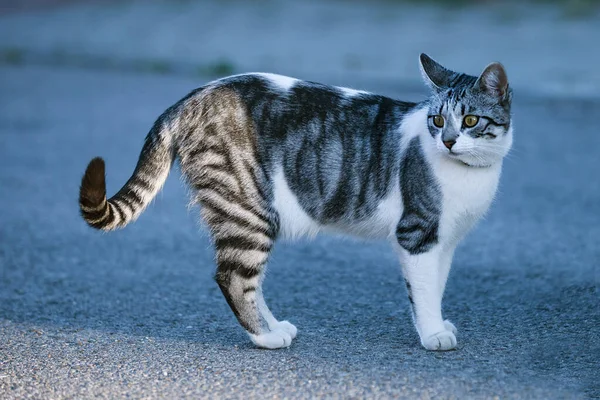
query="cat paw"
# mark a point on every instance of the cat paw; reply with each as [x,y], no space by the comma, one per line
[450,327]
[286,327]
[440,341]
[276,339]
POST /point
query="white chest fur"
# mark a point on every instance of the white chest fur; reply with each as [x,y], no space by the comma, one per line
[467,195]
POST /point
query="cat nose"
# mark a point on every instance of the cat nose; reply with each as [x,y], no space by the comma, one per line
[449,143]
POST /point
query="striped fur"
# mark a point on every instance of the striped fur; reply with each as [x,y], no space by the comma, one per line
[148,178]
[269,156]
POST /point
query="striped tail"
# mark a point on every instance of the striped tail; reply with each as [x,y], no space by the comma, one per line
[148,178]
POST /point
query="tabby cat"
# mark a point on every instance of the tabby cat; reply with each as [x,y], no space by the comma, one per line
[269,156]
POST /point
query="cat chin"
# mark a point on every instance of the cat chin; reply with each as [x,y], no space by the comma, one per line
[471,161]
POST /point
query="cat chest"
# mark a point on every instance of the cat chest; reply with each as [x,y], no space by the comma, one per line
[467,194]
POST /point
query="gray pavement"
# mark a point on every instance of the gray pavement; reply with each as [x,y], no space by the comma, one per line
[135,313]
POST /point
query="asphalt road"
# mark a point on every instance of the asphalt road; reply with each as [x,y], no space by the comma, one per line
[136,313]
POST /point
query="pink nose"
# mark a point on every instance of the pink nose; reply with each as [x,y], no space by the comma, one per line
[449,143]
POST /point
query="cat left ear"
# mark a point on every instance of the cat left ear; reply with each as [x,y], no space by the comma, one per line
[436,76]
[493,80]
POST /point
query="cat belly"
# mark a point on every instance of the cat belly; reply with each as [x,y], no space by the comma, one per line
[379,225]
[294,222]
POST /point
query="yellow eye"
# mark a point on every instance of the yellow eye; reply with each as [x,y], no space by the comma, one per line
[471,120]
[438,121]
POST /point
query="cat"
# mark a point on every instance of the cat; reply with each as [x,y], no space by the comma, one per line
[269,156]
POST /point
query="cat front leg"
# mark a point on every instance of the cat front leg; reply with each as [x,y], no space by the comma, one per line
[446,257]
[423,275]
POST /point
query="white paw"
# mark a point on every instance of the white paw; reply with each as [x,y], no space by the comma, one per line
[440,341]
[287,327]
[275,339]
[450,327]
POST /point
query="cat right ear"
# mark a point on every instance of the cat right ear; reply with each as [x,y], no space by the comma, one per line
[493,80]
[434,75]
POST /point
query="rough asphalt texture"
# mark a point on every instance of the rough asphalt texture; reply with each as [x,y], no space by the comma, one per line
[135,313]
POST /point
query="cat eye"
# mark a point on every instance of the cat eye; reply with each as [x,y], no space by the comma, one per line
[438,121]
[471,120]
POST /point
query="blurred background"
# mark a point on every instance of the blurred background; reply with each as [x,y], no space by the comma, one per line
[549,46]
[136,313]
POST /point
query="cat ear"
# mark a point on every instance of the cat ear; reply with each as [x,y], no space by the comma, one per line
[434,75]
[493,80]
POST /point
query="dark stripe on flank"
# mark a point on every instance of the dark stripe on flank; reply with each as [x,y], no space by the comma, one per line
[246,272]
[255,181]
[222,216]
[239,268]
[214,184]
[240,243]
[249,169]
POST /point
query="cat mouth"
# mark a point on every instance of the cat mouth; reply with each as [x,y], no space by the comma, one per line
[459,157]
[454,154]
[468,161]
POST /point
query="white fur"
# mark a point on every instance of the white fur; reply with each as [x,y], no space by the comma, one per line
[293,220]
[467,192]
[285,326]
[284,83]
[281,82]
[412,126]
[280,334]
[275,339]
[381,225]
[351,92]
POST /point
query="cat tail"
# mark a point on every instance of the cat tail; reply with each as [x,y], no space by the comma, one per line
[151,171]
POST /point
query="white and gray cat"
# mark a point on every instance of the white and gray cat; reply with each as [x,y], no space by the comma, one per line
[269,156]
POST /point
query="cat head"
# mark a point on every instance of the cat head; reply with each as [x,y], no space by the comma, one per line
[469,117]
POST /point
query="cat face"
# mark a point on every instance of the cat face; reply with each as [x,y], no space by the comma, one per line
[469,117]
